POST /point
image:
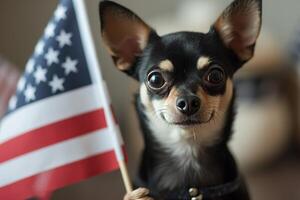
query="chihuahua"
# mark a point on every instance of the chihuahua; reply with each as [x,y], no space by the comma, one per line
[186,99]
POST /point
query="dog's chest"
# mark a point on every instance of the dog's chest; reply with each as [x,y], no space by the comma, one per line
[180,156]
[177,165]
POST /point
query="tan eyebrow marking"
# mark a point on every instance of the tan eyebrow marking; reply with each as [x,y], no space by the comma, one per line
[166,65]
[202,62]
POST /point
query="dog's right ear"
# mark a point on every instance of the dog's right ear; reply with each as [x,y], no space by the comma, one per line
[124,34]
[239,27]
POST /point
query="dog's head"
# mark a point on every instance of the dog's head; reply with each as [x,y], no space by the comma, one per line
[185,77]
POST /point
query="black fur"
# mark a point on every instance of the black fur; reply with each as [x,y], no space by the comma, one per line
[183,49]
[217,161]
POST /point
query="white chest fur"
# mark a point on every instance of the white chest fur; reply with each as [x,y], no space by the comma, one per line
[184,146]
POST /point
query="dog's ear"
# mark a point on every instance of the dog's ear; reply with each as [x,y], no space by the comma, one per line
[124,34]
[239,27]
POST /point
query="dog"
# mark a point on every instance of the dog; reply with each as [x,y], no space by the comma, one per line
[185,102]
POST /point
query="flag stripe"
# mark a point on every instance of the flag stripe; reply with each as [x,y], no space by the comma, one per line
[68,128]
[59,177]
[55,156]
[55,131]
[41,114]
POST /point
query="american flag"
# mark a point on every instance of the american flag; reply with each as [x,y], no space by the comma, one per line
[55,131]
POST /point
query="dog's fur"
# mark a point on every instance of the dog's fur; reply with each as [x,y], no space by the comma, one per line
[184,148]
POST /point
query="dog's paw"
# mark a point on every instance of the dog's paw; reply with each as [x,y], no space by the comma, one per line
[138,194]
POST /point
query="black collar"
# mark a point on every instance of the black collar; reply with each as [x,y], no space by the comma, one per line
[206,193]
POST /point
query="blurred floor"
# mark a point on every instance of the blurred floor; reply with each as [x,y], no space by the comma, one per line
[279,182]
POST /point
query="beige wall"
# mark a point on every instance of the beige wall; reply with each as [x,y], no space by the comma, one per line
[21,24]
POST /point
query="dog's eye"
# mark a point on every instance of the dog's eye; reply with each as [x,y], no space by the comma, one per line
[156,80]
[215,76]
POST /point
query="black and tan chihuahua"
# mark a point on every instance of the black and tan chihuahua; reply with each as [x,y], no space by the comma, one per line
[186,99]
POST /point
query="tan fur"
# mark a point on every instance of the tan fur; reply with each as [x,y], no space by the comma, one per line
[166,65]
[202,62]
[145,98]
[217,103]
[168,105]
[185,142]
[210,105]
[171,99]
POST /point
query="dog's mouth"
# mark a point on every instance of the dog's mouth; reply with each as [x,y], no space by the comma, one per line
[191,122]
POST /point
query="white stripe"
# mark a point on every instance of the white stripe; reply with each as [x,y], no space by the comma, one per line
[55,156]
[49,110]
[95,72]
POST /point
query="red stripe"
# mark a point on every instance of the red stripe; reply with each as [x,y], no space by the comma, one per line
[49,181]
[53,133]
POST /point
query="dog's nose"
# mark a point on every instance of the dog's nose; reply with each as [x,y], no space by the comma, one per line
[188,105]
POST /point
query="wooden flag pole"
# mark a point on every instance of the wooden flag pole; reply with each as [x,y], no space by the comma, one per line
[121,161]
[125,176]
[96,75]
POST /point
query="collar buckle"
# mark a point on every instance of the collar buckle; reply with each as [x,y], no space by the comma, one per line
[195,194]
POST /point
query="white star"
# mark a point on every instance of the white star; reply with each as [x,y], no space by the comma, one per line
[64,39]
[70,66]
[21,84]
[57,84]
[52,56]
[13,103]
[40,75]
[39,49]
[30,66]
[29,93]
[60,13]
[50,30]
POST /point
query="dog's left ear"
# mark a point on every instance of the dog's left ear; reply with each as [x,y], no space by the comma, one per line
[239,27]
[124,34]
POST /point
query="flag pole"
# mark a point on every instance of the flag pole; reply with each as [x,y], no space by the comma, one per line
[96,75]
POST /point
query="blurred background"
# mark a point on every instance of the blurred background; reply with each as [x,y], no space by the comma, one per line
[267,138]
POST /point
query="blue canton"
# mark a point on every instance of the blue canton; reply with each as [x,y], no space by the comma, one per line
[58,64]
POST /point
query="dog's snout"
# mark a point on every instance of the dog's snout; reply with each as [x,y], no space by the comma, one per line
[188,105]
